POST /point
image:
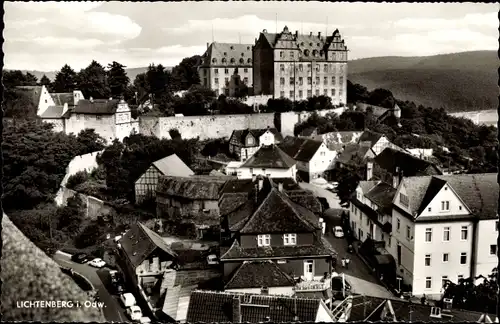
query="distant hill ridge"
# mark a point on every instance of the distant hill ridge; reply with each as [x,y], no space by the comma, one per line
[465,81]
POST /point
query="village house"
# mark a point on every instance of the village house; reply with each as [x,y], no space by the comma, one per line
[172,165]
[351,152]
[269,161]
[374,309]
[265,223]
[314,159]
[244,143]
[443,227]
[380,113]
[190,200]
[376,142]
[212,306]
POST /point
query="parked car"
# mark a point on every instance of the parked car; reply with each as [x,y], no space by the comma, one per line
[97,263]
[332,186]
[127,299]
[212,259]
[80,258]
[134,313]
[145,320]
[338,231]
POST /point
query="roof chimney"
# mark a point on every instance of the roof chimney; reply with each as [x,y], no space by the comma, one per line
[280,187]
[296,33]
[319,34]
[310,34]
[236,310]
[208,45]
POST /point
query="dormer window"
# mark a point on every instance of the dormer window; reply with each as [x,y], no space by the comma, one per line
[290,239]
[224,60]
[264,240]
[242,61]
[403,200]
[232,47]
[249,60]
[225,53]
[232,60]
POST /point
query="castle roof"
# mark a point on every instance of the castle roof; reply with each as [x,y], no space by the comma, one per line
[230,54]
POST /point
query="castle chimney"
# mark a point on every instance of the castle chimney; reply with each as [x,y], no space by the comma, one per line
[280,187]
[296,33]
[236,310]
[310,34]
[319,34]
[208,45]
[261,184]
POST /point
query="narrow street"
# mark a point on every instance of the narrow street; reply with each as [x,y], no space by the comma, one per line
[100,279]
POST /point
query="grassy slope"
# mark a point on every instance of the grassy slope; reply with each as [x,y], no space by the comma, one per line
[458,82]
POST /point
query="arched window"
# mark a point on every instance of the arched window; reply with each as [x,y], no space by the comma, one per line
[249,60]
[242,60]
[224,60]
[306,52]
[315,53]
[232,60]
[214,60]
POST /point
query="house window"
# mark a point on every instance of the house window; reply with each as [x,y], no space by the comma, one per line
[341,80]
[309,80]
[226,71]
[245,70]
[428,282]
[282,81]
[317,80]
[444,280]
[325,80]
[460,277]
[309,93]
[292,94]
[325,92]
[264,240]
[427,260]
[325,67]
[446,234]
[463,258]
[428,234]
[464,233]
[429,209]
[403,199]
[446,257]
[493,249]
[251,171]
[226,80]
[445,206]
[301,80]
[292,54]
[317,92]
[301,68]
[290,239]
[300,94]
[496,226]
[282,94]
[340,92]
[334,81]
[398,225]
[216,80]
[292,81]
[245,80]
[282,54]
[367,221]
[282,67]
[216,71]
[408,232]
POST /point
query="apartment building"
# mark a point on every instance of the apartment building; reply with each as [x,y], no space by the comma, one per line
[222,63]
[443,227]
[297,67]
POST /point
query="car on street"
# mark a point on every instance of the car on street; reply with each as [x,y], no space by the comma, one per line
[134,313]
[127,299]
[97,263]
[338,231]
[145,320]
[332,186]
[80,258]
[212,259]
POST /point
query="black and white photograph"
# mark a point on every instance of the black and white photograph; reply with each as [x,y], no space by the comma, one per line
[248,161]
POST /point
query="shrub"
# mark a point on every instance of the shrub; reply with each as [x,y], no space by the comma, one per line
[76,179]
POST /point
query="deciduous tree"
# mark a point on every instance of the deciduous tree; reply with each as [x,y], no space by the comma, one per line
[92,81]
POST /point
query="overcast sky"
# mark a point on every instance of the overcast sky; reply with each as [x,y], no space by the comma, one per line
[44,36]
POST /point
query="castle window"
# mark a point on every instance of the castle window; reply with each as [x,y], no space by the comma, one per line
[214,60]
[315,53]
[317,94]
[249,60]
[292,54]
[300,94]
[225,53]
[310,44]
[334,81]
[333,92]
[282,67]
[301,68]
[242,60]
[309,80]
[309,93]
[325,80]
[301,80]
[325,92]
[282,54]
[325,67]
[292,81]
[282,81]
[242,54]
[216,71]
[306,52]
[232,47]
[232,60]
[317,80]
[282,94]
[226,71]
[224,60]
[292,94]
[216,80]
[341,80]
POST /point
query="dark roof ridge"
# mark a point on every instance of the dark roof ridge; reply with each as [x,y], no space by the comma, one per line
[254,294]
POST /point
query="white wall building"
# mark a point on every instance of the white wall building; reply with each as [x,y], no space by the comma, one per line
[269,161]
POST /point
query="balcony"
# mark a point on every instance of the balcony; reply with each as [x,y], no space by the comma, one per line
[313,285]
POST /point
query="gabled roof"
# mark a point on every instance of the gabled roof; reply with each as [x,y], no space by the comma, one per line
[390,159]
[382,195]
[370,136]
[172,165]
[211,306]
[367,185]
[415,187]
[240,53]
[269,157]
[33,93]
[238,136]
[257,274]
[53,112]
[278,214]
[139,242]
[61,98]
[350,151]
[96,106]
[300,149]
[195,188]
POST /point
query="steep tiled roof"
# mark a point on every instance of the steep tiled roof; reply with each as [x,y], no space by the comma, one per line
[238,136]
[139,242]
[416,187]
[350,151]
[200,188]
[269,157]
[390,159]
[33,93]
[306,199]
[478,191]
[53,112]
[382,195]
[367,185]
[300,149]
[61,98]
[278,214]
[370,136]
[257,274]
[211,306]
[172,165]
[321,248]
[234,54]
[96,106]
[28,274]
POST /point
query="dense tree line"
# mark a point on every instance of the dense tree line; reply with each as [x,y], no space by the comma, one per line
[35,160]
